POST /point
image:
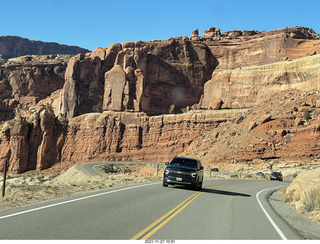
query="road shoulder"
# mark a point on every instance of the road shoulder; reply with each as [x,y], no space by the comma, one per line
[304,226]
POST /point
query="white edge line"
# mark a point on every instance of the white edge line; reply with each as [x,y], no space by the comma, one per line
[74,200]
[268,216]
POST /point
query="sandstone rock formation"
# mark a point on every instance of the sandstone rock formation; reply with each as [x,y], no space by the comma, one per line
[182,65]
[136,73]
[195,33]
[134,136]
[172,73]
[44,140]
[257,48]
[83,87]
[150,101]
[212,32]
[245,87]
[116,89]
[14,145]
[32,143]
[265,133]
[26,80]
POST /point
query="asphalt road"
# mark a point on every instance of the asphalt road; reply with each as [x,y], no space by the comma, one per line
[225,209]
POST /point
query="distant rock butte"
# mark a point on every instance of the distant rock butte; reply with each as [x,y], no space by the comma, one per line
[15,46]
[113,103]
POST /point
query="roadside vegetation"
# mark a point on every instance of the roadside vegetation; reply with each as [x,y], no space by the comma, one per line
[304,194]
[312,200]
[36,186]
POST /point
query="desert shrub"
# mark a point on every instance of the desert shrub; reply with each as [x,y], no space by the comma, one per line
[247,176]
[109,168]
[307,116]
[288,195]
[127,171]
[312,200]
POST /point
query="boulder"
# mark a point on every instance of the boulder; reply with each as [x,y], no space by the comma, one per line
[195,33]
[212,32]
[215,104]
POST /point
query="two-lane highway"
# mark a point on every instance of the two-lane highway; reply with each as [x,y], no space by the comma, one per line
[224,209]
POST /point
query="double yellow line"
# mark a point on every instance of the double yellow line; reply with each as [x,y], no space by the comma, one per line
[158,224]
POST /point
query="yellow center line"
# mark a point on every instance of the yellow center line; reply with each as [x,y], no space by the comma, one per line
[163,217]
[168,219]
[158,224]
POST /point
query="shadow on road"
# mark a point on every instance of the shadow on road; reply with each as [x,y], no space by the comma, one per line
[214,191]
[228,193]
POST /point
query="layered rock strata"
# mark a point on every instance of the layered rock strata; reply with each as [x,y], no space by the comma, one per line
[246,87]
[172,73]
[44,140]
[27,80]
[160,76]
[111,104]
[284,126]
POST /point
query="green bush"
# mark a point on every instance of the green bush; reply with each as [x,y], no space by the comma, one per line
[307,115]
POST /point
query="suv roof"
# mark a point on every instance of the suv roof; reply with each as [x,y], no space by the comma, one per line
[182,161]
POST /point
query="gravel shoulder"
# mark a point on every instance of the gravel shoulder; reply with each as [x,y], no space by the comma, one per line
[37,186]
[304,226]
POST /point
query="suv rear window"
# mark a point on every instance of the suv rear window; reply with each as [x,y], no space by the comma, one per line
[184,162]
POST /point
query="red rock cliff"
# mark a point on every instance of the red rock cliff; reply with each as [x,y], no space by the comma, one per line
[112,104]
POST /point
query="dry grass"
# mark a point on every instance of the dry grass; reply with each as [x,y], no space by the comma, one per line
[22,190]
[304,194]
[41,186]
[312,200]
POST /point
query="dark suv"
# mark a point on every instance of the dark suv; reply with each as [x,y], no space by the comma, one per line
[184,171]
[276,176]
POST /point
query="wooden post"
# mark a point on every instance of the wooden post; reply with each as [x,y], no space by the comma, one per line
[157,170]
[4,177]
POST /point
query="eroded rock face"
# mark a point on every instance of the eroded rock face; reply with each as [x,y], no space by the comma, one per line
[111,104]
[139,76]
[44,140]
[83,87]
[276,129]
[24,83]
[47,151]
[32,143]
[245,87]
[212,32]
[15,146]
[160,76]
[134,136]
[238,49]
[172,73]
[114,92]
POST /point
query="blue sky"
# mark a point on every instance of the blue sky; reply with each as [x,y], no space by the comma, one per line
[99,23]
